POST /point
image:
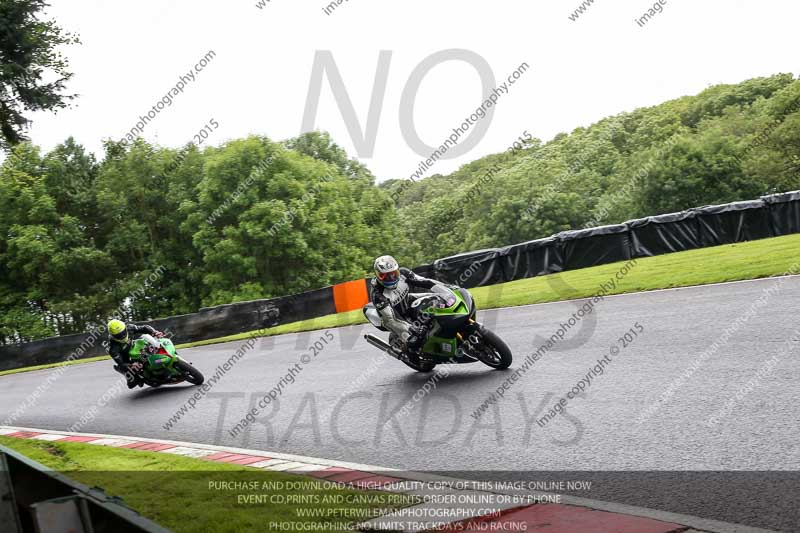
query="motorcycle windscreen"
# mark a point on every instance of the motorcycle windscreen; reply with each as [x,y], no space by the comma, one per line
[167,346]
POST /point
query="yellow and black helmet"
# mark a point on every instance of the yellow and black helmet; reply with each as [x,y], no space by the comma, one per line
[118,331]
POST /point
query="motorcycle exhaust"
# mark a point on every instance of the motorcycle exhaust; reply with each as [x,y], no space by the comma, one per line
[383,345]
[376,342]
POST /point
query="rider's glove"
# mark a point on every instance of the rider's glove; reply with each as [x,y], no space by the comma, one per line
[159,334]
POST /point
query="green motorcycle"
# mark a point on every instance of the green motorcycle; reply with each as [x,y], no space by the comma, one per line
[161,364]
[454,336]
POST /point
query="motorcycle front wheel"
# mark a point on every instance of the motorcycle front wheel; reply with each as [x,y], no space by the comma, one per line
[493,351]
[193,376]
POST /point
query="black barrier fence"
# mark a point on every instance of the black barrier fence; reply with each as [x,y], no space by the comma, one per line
[713,225]
[784,212]
[770,216]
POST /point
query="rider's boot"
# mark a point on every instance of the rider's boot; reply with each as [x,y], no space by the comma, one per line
[400,350]
[132,379]
[397,347]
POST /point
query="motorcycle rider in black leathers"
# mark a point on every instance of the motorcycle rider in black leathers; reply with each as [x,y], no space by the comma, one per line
[390,292]
[119,344]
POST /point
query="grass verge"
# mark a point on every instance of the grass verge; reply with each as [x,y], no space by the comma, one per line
[731,262]
[187,495]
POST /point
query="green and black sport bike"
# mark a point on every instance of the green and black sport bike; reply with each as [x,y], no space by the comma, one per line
[454,336]
[160,363]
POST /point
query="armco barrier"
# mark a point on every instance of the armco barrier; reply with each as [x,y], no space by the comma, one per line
[769,216]
[34,499]
[52,350]
[223,320]
[208,323]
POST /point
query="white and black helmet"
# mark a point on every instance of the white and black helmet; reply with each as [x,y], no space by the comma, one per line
[387,271]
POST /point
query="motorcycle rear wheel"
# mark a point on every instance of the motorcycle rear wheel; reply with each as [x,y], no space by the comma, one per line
[421,367]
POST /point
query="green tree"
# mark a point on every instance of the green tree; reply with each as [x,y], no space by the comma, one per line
[51,269]
[290,223]
[33,73]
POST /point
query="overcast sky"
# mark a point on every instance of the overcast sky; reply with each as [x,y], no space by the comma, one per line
[603,63]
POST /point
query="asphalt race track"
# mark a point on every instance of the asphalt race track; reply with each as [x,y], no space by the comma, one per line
[347,402]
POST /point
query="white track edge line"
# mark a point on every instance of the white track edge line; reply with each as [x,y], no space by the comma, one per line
[694,522]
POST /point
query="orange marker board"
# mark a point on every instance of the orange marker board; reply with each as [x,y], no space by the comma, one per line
[350,295]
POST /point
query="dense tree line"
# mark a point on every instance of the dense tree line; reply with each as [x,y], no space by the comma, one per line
[730,142]
[83,237]
[156,231]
